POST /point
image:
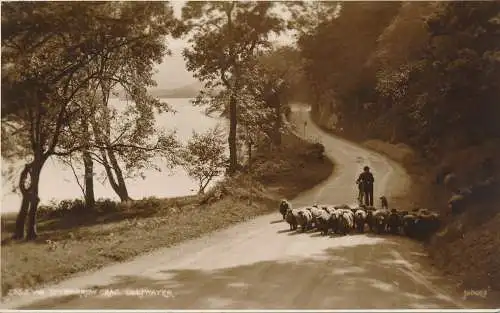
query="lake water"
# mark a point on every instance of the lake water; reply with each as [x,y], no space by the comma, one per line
[58,182]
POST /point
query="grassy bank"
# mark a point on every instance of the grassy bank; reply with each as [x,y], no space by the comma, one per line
[73,239]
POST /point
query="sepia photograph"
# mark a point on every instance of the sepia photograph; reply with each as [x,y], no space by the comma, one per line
[250,155]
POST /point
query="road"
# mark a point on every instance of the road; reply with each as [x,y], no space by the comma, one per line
[261,265]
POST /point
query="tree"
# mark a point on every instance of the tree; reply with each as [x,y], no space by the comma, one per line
[463,52]
[204,158]
[335,54]
[425,74]
[276,78]
[306,16]
[225,36]
[47,67]
[256,114]
[444,80]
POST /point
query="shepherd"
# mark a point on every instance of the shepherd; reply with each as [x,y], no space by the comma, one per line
[365,182]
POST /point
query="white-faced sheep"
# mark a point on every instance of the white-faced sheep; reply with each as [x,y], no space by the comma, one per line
[284,207]
[291,218]
[329,208]
[323,222]
[360,219]
[315,212]
[345,221]
[380,220]
[304,219]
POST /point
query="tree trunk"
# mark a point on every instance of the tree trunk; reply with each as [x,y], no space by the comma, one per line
[89,179]
[121,189]
[233,161]
[36,170]
[117,184]
[23,212]
[21,217]
[34,200]
[88,164]
[109,170]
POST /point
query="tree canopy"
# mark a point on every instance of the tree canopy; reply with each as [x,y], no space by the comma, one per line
[421,73]
[56,81]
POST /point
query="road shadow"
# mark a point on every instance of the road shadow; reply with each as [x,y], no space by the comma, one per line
[363,276]
[281,231]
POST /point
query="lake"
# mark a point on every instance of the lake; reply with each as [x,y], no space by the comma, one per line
[58,182]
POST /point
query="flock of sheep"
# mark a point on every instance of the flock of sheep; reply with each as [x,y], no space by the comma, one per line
[342,219]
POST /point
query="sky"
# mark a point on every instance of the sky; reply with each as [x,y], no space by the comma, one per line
[172,73]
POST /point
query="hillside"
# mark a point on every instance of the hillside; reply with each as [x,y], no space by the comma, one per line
[187,91]
[424,77]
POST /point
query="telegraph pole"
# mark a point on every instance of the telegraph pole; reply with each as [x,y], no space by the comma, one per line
[305,125]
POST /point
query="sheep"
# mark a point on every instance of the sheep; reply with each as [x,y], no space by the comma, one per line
[457,203]
[360,219]
[435,222]
[323,222]
[380,220]
[345,221]
[329,208]
[304,219]
[401,215]
[319,206]
[384,203]
[315,212]
[370,219]
[291,218]
[343,207]
[426,223]
[466,192]
[284,207]
[393,222]
[333,222]
[409,228]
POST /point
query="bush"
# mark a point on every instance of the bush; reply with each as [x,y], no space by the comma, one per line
[75,207]
[203,157]
[317,150]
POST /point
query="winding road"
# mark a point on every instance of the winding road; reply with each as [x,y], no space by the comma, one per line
[261,265]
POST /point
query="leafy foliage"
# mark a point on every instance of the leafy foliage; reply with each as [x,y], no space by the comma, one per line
[422,73]
[56,80]
[204,157]
[225,38]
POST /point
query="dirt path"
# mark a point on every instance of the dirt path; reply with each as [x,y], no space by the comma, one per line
[260,265]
